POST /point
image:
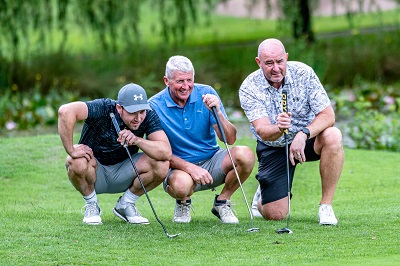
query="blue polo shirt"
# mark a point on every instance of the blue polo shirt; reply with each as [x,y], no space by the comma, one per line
[189,128]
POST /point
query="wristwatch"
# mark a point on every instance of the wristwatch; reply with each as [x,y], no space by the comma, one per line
[306,131]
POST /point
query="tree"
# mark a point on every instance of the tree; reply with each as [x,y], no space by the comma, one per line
[24,22]
[31,28]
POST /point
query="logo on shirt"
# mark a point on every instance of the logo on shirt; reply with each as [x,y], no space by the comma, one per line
[140,96]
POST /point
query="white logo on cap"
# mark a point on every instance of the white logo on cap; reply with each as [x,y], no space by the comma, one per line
[138,96]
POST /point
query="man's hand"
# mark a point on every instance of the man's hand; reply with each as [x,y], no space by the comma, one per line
[297,148]
[81,151]
[283,120]
[210,101]
[127,137]
[200,175]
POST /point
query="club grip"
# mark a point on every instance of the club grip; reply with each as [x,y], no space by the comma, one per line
[284,105]
[284,101]
[219,123]
[116,126]
[115,123]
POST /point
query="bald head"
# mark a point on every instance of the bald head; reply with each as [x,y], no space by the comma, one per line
[272,59]
[271,44]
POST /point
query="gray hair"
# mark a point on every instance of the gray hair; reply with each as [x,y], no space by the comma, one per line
[267,42]
[178,63]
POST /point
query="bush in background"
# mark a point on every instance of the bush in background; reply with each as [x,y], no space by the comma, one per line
[338,61]
[25,110]
[371,113]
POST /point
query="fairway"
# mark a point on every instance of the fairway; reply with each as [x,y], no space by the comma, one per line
[41,219]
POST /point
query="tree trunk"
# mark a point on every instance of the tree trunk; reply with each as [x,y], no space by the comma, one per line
[302,26]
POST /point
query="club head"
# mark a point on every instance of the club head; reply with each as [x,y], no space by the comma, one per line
[252,230]
[284,230]
[173,236]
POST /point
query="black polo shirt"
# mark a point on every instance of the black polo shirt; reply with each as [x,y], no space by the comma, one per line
[99,133]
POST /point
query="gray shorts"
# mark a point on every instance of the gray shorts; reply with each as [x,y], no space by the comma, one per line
[213,166]
[115,178]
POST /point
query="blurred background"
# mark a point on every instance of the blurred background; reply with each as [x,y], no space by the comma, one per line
[57,51]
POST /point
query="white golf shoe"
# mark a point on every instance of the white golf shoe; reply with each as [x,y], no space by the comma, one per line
[182,211]
[326,215]
[92,214]
[129,213]
[223,210]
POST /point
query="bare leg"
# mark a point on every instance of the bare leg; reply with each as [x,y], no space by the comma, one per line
[276,210]
[244,160]
[82,174]
[181,185]
[329,145]
[151,172]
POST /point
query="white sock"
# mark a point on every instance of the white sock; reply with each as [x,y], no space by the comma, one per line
[128,197]
[91,198]
[257,196]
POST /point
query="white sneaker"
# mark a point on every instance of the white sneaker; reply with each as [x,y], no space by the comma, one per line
[129,213]
[223,210]
[92,214]
[326,215]
[182,212]
[254,204]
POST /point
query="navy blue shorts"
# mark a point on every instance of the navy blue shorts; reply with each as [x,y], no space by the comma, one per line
[272,173]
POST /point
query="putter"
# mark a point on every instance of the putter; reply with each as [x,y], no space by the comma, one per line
[140,179]
[221,129]
[286,229]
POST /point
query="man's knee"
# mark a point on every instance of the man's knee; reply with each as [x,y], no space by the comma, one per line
[181,183]
[244,156]
[276,210]
[332,135]
[160,169]
[79,166]
[331,139]
[275,215]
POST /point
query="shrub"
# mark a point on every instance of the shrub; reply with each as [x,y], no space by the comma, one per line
[24,110]
[373,116]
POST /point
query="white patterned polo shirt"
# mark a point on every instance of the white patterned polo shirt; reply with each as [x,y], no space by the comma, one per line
[306,97]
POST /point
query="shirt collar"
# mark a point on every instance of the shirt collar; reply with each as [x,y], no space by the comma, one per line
[170,102]
[286,80]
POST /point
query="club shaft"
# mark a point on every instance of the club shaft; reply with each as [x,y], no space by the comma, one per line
[285,132]
[240,183]
[222,131]
[117,129]
[288,178]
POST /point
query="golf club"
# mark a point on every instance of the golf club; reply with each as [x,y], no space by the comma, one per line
[286,229]
[221,129]
[114,120]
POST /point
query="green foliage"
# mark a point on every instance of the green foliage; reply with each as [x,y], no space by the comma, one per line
[114,24]
[222,49]
[28,110]
[372,113]
[19,19]
[41,219]
[373,130]
[369,57]
[340,60]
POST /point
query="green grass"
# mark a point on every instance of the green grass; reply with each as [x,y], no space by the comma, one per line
[41,220]
[227,29]
[330,24]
